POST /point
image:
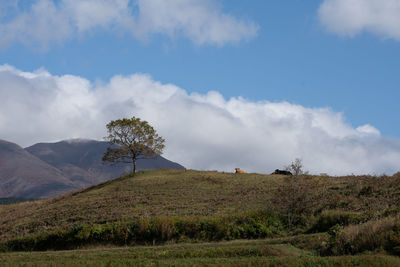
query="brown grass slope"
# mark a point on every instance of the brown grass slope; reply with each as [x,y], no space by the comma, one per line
[180,193]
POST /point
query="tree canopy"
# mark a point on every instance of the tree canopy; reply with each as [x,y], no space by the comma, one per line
[132,139]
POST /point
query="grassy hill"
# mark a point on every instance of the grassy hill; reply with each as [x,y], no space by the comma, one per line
[157,193]
[354,214]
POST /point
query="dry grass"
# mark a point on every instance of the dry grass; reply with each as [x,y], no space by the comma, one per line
[147,194]
[370,236]
[180,193]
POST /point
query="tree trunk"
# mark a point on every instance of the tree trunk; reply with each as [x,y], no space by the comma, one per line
[134,165]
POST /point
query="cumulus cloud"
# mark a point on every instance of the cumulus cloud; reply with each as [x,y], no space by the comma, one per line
[43,22]
[202,131]
[351,17]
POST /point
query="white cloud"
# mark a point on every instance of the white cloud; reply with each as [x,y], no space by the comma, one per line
[201,21]
[46,21]
[351,17]
[88,14]
[43,23]
[203,131]
[368,130]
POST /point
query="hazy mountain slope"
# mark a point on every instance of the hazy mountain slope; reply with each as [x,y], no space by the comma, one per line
[49,169]
[26,176]
[81,160]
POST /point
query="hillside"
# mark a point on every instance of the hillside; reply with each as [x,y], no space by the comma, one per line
[198,194]
[26,176]
[81,161]
[7,201]
[50,169]
[148,194]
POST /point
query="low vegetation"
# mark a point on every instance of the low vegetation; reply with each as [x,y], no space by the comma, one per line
[152,231]
[11,200]
[383,234]
[267,252]
[316,215]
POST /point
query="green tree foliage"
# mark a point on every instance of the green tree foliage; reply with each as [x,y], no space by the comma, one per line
[132,139]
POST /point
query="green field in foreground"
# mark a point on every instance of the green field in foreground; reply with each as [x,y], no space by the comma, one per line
[238,253]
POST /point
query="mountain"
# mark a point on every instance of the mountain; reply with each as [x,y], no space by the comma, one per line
[81,161]
[50,169]
[26,176]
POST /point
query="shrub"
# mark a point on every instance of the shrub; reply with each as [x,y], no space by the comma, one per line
[393,240]
[153,230]
[328,219]
[370,236]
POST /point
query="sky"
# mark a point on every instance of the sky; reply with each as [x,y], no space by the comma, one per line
[228,83]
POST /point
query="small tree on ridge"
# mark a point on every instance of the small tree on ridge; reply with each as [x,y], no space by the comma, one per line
[299,193]
[132,139]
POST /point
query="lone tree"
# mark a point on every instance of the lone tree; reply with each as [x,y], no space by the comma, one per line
[300,194]
[132,139]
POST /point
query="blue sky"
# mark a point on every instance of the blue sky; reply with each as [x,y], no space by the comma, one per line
[292,58]
[294,52]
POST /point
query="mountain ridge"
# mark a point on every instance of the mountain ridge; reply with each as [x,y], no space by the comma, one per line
[24,175]
[61,167]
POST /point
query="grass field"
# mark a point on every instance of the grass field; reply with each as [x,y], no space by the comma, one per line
[177,212]
[148,194]
[179,193]
[237,253]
